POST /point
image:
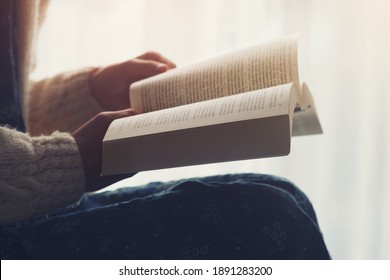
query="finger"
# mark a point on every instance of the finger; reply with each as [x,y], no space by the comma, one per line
[96,127]
[110,116]
[157,57]
[122,113]
[145,68]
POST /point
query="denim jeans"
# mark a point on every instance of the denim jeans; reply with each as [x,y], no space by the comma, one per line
[241,216]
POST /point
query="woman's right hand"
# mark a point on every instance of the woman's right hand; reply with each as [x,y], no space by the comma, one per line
[89,138]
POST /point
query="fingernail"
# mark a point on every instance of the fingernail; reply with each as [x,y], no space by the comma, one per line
[162,67]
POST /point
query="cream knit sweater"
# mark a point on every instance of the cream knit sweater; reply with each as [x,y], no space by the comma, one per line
[42,173]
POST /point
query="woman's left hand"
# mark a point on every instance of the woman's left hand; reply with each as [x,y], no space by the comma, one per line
[110,85]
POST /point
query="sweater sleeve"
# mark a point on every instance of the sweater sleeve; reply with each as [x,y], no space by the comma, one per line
[37,174]
[61,103]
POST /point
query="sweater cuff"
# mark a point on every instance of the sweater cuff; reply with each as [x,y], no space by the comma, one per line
[38,174]
[60,165]
[62,103]
[82,105]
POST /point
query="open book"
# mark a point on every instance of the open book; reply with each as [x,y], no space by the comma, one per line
[242,105]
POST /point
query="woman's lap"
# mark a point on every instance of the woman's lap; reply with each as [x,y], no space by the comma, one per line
[244,216]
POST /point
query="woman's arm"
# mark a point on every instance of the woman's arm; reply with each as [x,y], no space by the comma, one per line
[41,174]
[37,174]
[62,103]
[68,100]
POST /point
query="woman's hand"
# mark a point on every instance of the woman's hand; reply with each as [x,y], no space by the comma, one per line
[89,139]
[110,85]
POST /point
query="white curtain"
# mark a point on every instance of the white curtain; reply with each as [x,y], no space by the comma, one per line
[344,56]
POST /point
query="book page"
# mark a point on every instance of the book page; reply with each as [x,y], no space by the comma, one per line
[306,121]
[261,66]
[250,105]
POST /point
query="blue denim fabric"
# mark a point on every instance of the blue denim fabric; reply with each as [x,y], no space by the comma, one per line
[243,216]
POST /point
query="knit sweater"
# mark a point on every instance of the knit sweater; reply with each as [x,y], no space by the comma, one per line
[41,173]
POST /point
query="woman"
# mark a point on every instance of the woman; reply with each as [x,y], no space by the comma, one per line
[47,173]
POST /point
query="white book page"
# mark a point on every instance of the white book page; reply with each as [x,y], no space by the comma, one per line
[250,105]
[261,66]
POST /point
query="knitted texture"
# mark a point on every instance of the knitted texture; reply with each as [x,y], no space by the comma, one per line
[37,174]
[66,98]
[41,174]
[61,103]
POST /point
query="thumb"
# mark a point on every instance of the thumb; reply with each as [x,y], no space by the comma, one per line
[104,119]
[96,127]
[113,115]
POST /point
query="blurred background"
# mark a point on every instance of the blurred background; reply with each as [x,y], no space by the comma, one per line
[344,55]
